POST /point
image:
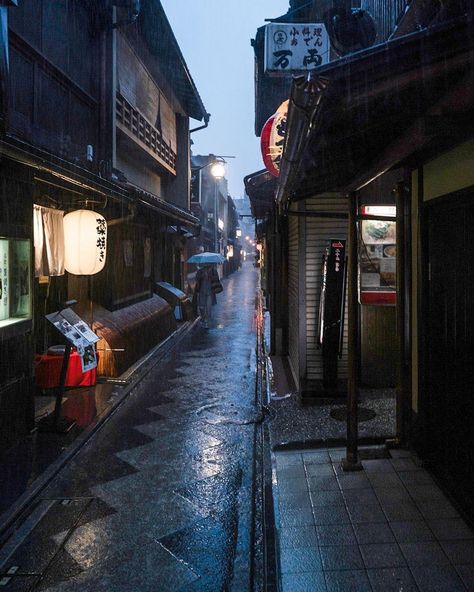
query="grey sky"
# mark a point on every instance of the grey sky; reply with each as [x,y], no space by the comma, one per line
[214,37]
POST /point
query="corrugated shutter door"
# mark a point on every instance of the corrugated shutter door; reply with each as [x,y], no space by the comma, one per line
[318,232]
[293,314]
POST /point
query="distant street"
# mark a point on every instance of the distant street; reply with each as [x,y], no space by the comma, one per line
[160,498]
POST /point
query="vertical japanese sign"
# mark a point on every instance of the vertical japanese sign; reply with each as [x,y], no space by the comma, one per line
[331,309]
[295,46]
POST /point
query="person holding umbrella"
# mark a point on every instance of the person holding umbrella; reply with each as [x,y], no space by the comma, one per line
[207,284]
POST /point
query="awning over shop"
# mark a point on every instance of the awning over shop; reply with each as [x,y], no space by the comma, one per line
[163,207]
[382,107]
[260,188]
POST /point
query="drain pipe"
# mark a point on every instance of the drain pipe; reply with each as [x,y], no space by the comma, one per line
[207,116]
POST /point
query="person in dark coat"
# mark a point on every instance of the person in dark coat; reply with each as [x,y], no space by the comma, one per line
[204,295]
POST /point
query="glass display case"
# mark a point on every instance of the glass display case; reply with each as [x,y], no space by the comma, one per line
[15,280]
[378,255]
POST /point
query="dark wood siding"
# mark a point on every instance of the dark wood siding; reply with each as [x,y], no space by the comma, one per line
[55,58]
[386,13]
[446,401]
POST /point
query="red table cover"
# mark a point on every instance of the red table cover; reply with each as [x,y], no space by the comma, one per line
[48,371]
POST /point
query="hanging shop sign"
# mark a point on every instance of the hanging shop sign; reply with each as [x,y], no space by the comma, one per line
[295,46]
[85,239]
[272,139]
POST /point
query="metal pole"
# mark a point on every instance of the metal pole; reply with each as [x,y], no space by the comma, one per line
[401,390]
[215,215]
[351,463]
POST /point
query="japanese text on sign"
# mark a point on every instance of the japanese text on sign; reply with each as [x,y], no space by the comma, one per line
[295,46]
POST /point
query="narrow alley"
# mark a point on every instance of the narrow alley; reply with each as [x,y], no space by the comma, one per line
[160,498]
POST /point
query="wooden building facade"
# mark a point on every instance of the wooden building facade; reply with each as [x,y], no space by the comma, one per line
[96,108]
[392,128]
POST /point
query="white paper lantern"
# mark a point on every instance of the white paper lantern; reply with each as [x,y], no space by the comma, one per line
[85,239]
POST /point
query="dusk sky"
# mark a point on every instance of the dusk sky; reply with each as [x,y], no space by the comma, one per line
[214,37]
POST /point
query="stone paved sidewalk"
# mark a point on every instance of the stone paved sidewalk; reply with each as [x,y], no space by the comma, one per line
[388,528]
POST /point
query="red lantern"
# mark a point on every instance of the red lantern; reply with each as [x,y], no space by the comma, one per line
[272,139]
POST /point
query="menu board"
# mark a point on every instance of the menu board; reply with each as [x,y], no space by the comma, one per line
[378,254]
[15,280]
[78,334]
[4,280]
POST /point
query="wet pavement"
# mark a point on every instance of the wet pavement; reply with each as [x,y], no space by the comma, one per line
[387,528]
[160,498]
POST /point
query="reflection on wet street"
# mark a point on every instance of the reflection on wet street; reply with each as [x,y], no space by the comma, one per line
[159,499]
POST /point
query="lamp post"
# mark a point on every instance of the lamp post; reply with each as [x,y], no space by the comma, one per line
[218,172]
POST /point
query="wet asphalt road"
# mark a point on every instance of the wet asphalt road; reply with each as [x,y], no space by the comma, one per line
[160,498]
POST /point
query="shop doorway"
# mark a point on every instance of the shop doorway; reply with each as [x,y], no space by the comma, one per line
[446,399]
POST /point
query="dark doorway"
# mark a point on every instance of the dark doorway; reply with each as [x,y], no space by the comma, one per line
[447,401]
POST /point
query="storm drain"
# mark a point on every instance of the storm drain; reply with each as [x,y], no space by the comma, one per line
[363,414]
[217,414]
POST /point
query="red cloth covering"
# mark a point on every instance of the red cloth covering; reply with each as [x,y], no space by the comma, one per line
[48,371]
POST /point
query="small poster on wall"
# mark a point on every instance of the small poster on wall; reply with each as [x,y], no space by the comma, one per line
[4,301]
[147,258]
[378,255]
[128,253]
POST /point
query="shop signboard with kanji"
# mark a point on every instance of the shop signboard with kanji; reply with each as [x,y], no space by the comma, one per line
[293,47]
[76,334]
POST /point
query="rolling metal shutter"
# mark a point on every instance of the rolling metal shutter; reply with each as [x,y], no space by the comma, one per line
[293,297]
[318,232]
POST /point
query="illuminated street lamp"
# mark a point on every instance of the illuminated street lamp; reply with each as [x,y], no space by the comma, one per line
[218,172]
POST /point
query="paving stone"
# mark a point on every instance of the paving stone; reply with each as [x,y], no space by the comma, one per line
[382,555]
[459,552]
[391,579]
[373,533]
[353,580]
[353,481]
[437,509]
[401,511]
[390,495]
[326,498]
[304,582]
[382,465]
[385,480]
[412,531]
[319,470]
[316,457]
[330,515]
[360,496]
[341,557]
[424,553]
[298,537]
[300,560]
[336,534]
[438,578]
[404,464]
[451,529]
[296,517]
[466,573]
[291,472]
[323,483]
[288,487]
[364,513]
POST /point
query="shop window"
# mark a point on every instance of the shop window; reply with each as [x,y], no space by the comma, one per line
[15,280]
[378,255]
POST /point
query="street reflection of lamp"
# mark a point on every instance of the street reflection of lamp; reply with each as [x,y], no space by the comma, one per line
[218,172]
